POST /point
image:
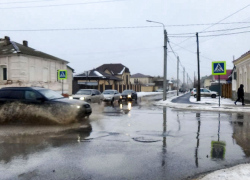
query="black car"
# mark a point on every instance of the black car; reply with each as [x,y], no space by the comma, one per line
[128,95]
[44,98]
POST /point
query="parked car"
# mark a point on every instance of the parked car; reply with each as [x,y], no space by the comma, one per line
[205,92]
[111,95]
[128,95]
[88,95]
[42,97]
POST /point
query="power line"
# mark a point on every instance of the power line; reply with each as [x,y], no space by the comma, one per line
[55,5]
[225,34]
[16,2]
[218,22]
[212,31]
[79,29]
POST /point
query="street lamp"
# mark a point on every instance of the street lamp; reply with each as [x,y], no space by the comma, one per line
[165,48]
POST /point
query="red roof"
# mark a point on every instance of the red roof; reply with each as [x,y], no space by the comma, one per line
[223,77]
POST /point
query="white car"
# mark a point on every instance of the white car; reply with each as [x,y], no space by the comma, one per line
[111,95]
[88,95]
[205,92]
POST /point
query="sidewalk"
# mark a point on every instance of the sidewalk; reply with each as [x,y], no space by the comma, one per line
[240,172]
[225,107]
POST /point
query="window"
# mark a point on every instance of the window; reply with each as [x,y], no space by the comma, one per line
[16,95]
[97,92]
[4,94]
[4,73]
[205,90]
[31,95]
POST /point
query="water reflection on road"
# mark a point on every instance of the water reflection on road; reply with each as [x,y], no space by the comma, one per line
[131,140]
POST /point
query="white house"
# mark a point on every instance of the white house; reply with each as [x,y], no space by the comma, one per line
[242,74]
[21,65]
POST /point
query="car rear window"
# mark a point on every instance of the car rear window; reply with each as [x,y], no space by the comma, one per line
[16,95]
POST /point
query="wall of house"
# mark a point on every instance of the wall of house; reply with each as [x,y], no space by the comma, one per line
[70,80]
[147,88]
[23,70]
[123,77]
[207,83]
[243,75]
[141,80]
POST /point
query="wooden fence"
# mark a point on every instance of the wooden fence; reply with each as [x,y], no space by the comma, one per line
[226,91]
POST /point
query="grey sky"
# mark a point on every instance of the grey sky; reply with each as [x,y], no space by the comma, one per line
[138,49]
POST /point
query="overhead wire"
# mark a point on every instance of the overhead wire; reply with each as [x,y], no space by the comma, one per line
[56,5]
[218,22]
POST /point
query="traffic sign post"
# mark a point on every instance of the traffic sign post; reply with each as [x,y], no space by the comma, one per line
[219,68]
[62,74]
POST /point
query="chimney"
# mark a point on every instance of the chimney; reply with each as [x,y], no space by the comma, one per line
[25,43]
[7,40]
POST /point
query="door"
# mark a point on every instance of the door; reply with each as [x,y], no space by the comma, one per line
[206,92]
[117,95]
[202,92]
[4,73]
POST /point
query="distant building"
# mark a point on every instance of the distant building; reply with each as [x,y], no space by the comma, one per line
[21,65]
[106,76]
[118,70]
[139,78]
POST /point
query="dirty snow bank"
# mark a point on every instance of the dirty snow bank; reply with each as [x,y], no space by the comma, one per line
[142,94]
[209,100]
[203,107]
[239,172]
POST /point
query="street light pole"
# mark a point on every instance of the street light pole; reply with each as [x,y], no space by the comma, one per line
[165,49]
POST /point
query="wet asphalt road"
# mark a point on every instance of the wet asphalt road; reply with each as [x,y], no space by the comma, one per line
[183,99]
[129,141]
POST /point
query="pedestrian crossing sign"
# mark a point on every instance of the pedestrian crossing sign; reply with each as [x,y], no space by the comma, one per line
[62,74]
[219,68]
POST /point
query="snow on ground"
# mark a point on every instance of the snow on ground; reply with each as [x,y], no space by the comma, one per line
[239,172]
[204,107]
[143,94]
[209,100]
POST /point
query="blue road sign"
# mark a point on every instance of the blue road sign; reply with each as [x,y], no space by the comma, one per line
[219,68]
[62,74]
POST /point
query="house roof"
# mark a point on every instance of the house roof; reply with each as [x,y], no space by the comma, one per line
[139,75]
[14,48]
[223,77]
[98,74]
[242,56]
[115,69]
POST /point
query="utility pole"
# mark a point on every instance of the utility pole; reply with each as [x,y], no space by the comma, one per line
[187,79]
[184,76]
[165,65]
[165,50]
[198,90]
[194,79]
[178,75]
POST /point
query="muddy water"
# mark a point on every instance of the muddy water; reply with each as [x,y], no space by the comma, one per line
[127,141]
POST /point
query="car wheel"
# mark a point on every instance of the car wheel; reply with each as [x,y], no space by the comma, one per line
[213,96]
[112,101]
[89,100]
[195,96]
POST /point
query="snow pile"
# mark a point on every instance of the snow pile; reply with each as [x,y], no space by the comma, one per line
[142,94]
[209,100]
[122,71]
[98,74]
[239,172]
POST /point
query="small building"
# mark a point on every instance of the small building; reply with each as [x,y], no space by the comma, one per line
[142,79]
[206,81]
[21,65]
[106,76]
[159,83]
[118,70]
[242,74]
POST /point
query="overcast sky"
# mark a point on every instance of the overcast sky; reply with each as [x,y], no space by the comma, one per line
[140,49]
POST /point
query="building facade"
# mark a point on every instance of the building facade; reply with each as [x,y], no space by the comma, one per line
[242,74]
[21,65]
